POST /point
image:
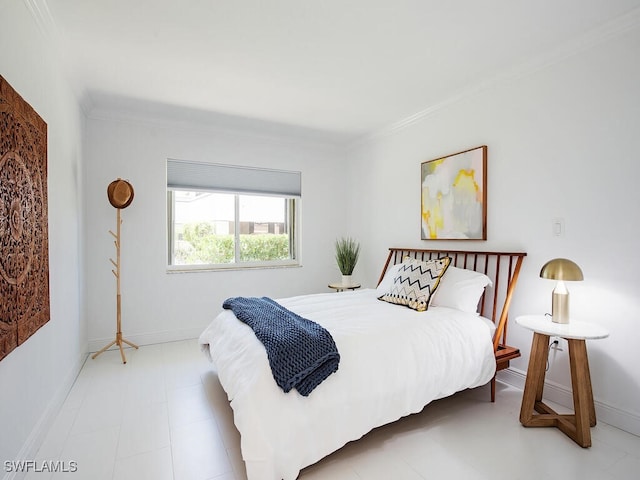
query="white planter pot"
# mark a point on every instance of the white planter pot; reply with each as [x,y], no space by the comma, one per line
[346,280]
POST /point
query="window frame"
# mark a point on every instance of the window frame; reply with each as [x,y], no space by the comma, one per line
[293,215]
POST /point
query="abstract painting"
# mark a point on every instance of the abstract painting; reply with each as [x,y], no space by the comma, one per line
[24,241]
[454,196]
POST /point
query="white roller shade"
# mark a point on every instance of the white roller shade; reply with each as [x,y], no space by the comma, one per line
[186,175]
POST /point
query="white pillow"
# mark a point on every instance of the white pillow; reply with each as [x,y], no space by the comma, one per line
[461,289]
[387,280]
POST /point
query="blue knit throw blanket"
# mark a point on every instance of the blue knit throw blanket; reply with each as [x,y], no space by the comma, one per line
[301,353]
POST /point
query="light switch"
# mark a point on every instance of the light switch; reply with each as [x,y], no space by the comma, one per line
[558,227]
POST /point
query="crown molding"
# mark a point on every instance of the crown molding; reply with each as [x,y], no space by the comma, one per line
[42,15]
[181,118]
[631,20]
[573,47]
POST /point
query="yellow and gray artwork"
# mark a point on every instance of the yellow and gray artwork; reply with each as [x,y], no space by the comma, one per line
[454,196]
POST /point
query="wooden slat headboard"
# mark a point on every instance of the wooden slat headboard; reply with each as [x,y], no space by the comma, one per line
[502,268]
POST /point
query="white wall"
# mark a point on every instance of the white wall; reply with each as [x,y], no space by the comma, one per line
[562,142]
[36,377]
[160,306]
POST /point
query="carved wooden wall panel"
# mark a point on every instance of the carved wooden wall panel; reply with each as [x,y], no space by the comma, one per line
[24,240]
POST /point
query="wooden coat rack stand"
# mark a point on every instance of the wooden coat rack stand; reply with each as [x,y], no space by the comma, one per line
[119,338]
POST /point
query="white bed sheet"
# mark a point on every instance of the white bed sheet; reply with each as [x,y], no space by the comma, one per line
[394,361]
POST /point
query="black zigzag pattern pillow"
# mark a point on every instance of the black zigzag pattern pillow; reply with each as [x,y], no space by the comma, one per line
[416,282]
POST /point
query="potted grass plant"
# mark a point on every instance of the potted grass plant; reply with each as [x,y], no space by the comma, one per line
[347,253]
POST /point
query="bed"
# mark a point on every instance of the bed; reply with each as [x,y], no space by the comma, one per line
[393,360]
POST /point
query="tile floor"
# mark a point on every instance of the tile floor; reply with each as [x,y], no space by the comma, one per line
[164,415]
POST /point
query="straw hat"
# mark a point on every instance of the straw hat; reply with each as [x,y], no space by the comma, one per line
[120,193]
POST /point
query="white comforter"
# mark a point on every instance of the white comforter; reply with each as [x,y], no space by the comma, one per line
[393,362]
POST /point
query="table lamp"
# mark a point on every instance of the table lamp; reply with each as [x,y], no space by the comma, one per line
[561,269]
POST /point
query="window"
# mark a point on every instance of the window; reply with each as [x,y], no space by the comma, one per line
[223,216]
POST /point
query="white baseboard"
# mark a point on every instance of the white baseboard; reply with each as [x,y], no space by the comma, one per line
[31,446]
[148,338]
[560,395]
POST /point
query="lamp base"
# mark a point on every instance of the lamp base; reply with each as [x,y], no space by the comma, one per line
[560,307]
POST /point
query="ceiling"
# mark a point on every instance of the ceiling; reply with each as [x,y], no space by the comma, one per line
[343,67]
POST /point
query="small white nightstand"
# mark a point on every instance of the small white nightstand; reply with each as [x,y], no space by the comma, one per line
[576,426]
[339,287]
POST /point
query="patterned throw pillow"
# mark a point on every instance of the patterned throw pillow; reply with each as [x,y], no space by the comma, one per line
[416,282]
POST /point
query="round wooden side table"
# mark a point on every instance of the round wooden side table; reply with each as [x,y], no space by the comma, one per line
[576,425]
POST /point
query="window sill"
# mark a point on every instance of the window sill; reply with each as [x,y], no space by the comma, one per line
[230,267]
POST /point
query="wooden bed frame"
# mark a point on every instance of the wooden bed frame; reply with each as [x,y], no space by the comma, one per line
[502,268]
